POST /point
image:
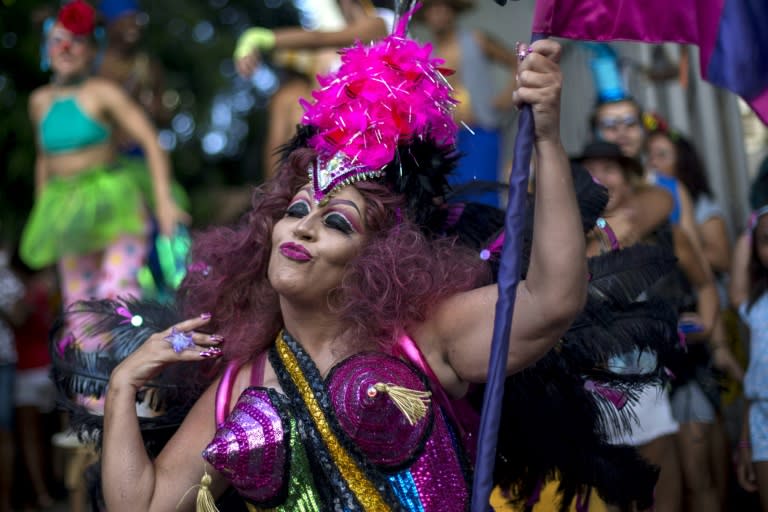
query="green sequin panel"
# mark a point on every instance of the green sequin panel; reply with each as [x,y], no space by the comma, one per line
[302,496]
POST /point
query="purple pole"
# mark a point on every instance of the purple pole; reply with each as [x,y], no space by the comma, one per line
[509,276]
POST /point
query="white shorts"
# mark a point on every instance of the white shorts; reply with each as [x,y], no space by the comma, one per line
[34,387]
[654,418]
[691,405]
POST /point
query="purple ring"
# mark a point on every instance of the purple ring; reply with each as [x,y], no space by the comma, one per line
[179,340]
[522,54]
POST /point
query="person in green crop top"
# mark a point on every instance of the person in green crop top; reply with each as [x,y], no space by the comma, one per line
[92,211]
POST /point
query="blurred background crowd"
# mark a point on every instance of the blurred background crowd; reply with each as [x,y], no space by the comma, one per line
[637,116]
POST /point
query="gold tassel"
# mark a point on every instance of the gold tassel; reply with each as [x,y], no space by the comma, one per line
[204,501]
[412,403]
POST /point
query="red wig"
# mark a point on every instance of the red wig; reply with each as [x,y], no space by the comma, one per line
[391,285]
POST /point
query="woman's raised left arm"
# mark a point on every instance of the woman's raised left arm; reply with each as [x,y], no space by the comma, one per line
[129,115]
[457,338]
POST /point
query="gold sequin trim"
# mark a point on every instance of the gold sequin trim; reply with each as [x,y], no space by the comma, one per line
[366,493]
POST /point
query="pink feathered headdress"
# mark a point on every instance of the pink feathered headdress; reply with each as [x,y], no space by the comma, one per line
[384,95]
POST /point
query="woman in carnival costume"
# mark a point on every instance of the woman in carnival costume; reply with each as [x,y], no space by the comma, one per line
[90,216]
[348,314]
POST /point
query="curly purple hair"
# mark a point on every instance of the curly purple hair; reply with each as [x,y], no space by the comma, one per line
[393,283]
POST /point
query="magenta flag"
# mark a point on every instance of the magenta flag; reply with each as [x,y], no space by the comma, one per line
[731,34]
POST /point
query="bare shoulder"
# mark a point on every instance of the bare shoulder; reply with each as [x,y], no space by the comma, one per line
[101,85]
[39,101]
[106,96]
[240,380]
[654,197]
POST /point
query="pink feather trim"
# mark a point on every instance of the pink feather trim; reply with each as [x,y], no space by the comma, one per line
[383,95]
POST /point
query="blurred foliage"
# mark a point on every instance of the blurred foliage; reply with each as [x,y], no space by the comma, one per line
[193,40]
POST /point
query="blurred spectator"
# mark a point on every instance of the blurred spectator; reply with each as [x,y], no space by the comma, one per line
[758,198]
[296,72]
[674,156]
[630,221]
[128,64]
[90,214]
[635,209]
[749,292]
[11,314]
[35,391]
[671,154]
[482,108]
[365,21]
[623,122]
[302,54]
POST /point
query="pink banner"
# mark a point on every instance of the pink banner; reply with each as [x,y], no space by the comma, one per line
[653,21]
[730,34]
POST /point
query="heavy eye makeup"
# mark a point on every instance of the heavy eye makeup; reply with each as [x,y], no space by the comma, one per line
[336,220]
[299,208]
[332,219]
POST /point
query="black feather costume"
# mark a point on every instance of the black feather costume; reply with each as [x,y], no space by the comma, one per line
[164,400]
[557,414]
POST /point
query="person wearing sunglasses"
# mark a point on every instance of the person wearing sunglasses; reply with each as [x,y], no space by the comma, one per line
[622,122]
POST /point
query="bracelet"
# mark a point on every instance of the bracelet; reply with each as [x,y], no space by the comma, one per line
[605,228]
[255,38]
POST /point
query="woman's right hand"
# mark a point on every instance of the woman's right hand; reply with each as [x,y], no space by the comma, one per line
[745,470]
[176,344]
[247,65]
[725,361]
[169,216]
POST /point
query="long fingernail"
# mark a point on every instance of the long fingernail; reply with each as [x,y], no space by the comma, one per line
[211,352]
[205,316]
[218,338]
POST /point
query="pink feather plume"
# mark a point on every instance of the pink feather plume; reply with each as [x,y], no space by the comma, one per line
[384,94]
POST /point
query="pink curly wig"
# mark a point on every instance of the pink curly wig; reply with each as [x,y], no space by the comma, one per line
[391,285]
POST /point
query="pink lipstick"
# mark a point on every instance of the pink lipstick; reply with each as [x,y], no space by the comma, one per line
[294,252]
